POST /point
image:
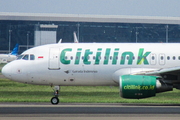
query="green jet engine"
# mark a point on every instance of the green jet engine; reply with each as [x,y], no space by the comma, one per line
[141,86]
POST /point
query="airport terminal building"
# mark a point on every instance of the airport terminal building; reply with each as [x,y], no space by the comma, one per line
[31,30]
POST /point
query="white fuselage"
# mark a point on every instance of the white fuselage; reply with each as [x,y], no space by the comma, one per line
[90,63]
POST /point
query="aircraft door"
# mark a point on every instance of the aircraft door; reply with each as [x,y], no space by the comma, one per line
[54,59]
[161,59]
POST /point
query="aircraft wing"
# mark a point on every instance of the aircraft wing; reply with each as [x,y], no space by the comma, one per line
[165,70]
[169,74]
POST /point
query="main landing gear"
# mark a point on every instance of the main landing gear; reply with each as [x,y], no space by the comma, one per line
[55,99]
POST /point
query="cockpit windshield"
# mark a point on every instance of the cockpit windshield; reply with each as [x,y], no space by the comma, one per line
[19,57]
[26,57]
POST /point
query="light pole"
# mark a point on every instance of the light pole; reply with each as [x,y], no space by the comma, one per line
[27,40]
[137,35]
[10,40]
[78,31]
[167,33]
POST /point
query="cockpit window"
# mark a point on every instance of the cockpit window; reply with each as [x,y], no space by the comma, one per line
[25,57]
[32,57]
[19,57]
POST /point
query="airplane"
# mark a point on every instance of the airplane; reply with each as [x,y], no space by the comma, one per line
[4,58]
[139,69]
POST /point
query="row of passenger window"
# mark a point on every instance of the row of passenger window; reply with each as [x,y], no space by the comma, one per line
[26,57]
[122,57]
[105,58]
[32,57]
[168,58]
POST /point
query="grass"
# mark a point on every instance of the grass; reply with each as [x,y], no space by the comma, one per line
[1,65]
[11,91]
[18,92]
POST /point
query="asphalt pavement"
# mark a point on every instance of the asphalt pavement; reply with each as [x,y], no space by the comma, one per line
[40,111]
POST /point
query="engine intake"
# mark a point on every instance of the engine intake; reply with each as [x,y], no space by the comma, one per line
[140,86]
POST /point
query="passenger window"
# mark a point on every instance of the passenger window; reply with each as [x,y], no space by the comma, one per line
[94,57]
[110,58]
[25,57]
[162,58]
[32,57]
[104,57]
[174,57]
[168,58]
[179,57]
[153,58]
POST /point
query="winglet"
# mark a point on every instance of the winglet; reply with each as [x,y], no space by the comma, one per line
[60,41]
[15,50]
[75,38]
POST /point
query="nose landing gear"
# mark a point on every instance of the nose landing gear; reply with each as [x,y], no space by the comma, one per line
[55,99]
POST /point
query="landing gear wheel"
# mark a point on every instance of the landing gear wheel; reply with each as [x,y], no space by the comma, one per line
[54,100]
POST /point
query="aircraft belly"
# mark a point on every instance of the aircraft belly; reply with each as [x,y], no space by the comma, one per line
[75,76]
[69,78]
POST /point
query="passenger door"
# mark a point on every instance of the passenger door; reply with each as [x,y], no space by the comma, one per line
[54,59]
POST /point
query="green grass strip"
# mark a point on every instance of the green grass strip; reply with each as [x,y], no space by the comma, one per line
[11,91]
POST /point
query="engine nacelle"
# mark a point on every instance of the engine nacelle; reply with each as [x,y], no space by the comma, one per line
[140,86]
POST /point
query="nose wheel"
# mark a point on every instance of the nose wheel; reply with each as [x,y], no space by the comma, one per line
[55,99]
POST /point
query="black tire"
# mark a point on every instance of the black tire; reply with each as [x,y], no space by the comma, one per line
[54,100]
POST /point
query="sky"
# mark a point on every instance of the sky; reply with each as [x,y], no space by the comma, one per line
[166,8]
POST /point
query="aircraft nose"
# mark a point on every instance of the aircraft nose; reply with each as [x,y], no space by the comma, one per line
[6,71]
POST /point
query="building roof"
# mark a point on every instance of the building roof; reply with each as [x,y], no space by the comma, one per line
[89,18]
